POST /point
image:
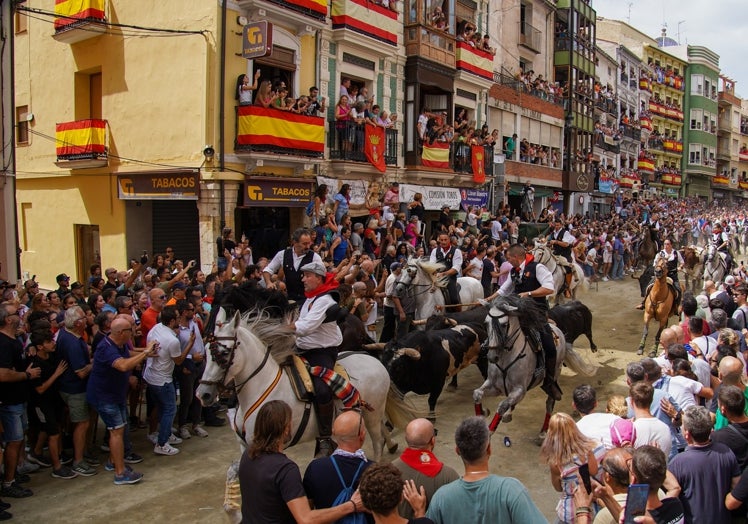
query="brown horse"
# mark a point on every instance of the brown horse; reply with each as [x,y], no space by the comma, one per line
[659,305]
[693,267]
[647,249]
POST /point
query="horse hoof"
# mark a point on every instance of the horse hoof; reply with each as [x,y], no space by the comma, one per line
[392,450]
[652,353]
[593,348]
[640,351]
[486,412]
[507,418]
[539,439]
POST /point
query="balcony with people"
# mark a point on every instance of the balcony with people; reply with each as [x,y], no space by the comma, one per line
[431,31]
[607,138]
[606,99]
[82,144]
[743,154]
[630,127]
[277,123]
[666,76]
[376,19]
[668,174]
[475,58]
[533,85]
[665,108]
[80,20]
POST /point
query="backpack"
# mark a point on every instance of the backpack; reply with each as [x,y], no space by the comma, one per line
[346,493]
[309,208]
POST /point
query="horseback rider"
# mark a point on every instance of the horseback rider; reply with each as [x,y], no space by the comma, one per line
[451,258]
[533,280]
[561,242]
[317,339]
[528,202]
[721,242]
[290,260]
[653,223]
[675,263]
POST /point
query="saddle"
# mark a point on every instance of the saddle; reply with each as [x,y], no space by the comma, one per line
[300,379]
[445,294]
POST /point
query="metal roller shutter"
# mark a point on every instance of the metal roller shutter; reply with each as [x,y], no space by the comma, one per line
[175,224]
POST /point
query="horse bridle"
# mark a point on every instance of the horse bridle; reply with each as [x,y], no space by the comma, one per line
[225,362]
[411,284]
[506,340]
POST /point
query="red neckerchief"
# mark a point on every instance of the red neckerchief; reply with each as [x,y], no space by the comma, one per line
[329,284]
[422,461]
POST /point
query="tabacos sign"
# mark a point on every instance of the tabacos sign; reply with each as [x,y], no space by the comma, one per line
[264,192]
[257,40]
[158,185]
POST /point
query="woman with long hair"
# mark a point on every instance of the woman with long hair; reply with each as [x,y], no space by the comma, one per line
[96,303]
[342,202]
[270,482]
[55,301]
[40,302]
[342,114]
[244,89]
[565,449]
[320,200]
[265,95]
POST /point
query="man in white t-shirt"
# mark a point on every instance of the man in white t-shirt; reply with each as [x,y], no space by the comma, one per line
[475,266]
[649,429]
[592,425]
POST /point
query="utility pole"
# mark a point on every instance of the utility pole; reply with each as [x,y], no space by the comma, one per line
[9,255]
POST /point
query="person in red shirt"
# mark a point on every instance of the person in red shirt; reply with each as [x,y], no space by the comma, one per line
[150,316]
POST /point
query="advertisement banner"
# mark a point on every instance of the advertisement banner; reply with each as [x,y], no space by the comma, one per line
[180,185]
[270,192]
[434,198]
[473,197]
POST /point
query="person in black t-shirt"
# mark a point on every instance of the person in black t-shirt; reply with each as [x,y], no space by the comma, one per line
[47,402]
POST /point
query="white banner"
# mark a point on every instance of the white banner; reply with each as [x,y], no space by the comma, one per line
[359,188]
[434,198]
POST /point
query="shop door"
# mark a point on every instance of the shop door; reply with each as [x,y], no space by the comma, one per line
[267,228]
[175,224]
[87,249]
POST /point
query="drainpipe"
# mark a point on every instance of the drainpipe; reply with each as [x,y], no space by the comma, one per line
[222,111]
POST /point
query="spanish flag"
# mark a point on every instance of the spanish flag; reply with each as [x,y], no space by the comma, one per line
[478,157]
[435,155]
[473,60]
[374,146]
[367,18]
[81,138]
[70,11]
[258,126]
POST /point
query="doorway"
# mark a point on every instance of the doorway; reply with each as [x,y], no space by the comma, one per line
[87,249]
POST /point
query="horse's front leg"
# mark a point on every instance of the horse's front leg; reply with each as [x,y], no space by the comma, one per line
[549,405]
[509,403]
[489,387]
[663,325]
[640,351]
[387,436]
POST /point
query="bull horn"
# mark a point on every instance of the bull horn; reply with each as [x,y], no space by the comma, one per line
[421,322]
[410,353]
[377,346]
[452,322]
[508,308]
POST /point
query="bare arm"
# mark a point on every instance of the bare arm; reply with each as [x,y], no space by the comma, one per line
[304,514]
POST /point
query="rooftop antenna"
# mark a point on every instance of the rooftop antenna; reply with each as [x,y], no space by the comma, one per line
[680,22]
[631,4]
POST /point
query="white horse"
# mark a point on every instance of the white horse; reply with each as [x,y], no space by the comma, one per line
[543,255]
[715,266]
[245,358]
[421,275]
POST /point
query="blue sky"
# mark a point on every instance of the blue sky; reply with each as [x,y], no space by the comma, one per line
[719,25]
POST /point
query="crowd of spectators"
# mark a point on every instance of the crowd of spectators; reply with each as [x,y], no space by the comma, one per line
[276,94]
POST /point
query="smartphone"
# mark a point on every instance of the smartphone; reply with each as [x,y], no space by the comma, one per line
[636,502]
[584,473]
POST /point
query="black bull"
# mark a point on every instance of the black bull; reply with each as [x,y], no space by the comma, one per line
[422,360]
[574,319]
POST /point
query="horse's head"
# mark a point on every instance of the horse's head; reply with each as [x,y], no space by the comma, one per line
[660,267]
[710,252]
[410,271]
[221,357]
[541,253]
[497,328]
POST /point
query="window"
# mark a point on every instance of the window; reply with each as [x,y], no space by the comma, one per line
[22,126]
[694,153]
[697,118]
[697,84]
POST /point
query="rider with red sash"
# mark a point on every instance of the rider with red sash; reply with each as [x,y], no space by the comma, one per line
[317,339]
[561,242]
[451,257]
[533,280]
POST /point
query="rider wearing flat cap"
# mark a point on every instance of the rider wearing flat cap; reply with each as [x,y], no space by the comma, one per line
[317,339]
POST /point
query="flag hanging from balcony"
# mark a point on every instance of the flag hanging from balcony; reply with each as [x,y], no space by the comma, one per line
[478,157]
[374,146]
[80,139]
[70,11]
[435,155]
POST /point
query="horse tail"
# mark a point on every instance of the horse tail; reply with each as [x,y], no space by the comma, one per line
[400,411]
[577,363]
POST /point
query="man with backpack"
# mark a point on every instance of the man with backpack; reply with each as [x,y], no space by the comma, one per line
[330,481]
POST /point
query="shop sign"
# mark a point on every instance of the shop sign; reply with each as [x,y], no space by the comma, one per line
[183,185]
[473,197]
[434,198]
[257,40]
[269,192]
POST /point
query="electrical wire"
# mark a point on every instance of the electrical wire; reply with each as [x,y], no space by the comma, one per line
[146,31]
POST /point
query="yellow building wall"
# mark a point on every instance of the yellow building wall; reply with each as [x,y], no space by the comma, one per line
[158,96]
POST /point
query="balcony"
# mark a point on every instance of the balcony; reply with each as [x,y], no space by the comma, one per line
[449,158]
[725,98]
[431,44]
[723,153]
[743,155]
[632,132]
[607,105]
[346,142]
[607,143]
[552,96]
[670,112]
[672,179]
[366,18]
[79,20]
[280,132]
[82,144]
[474,61]
[530,37]
[720,180]
[646,123]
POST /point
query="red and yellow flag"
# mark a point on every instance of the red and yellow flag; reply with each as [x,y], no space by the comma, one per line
[478,158]
[435,155]
[258,126]
[81,137]
[70,11]
[374,146]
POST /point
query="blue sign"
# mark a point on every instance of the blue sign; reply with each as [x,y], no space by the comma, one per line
[473,197]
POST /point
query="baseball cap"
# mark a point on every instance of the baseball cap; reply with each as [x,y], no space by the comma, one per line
[730,280]
[179,285]
[622,432]
[395,265]
[62,276]
[315,267]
